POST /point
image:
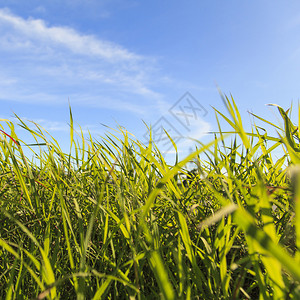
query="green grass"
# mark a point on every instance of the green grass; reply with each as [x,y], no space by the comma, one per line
[112,220]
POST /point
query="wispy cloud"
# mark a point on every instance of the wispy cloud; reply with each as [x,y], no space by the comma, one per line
[34,29]
[59,62]
[199,129]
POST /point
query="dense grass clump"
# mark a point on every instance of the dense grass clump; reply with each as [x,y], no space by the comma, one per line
[112,220]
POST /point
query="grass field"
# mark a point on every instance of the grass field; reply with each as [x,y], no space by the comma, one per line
[112,220]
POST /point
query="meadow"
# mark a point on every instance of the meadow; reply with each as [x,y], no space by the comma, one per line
[112,219]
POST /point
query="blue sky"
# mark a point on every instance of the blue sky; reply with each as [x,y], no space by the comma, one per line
[125,62]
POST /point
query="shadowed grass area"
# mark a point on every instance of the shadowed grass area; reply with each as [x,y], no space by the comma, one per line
[112,220]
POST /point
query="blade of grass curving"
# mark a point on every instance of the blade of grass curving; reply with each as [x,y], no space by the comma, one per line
[293,155]
[168,175]
[220,243]
[8,248]
[161,275]
[246,221]
[184,233]
[18,281]
[219,215]
[174,145]
[19,174]
[105,231]
[295,181]
[102,289]
[181,274]
[290,129]
[71,127]
[265,121]
[48,273]
[272,264]
[47,239]
[66,222]
[81,287]
[234,113]
[10,284]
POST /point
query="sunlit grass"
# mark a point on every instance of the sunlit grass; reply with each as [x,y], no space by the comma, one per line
[112,219]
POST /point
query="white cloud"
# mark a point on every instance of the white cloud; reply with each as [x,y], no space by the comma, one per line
[52,63]
[199,129]
[37,29]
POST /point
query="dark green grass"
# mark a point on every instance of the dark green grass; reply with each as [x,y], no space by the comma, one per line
[112,220]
